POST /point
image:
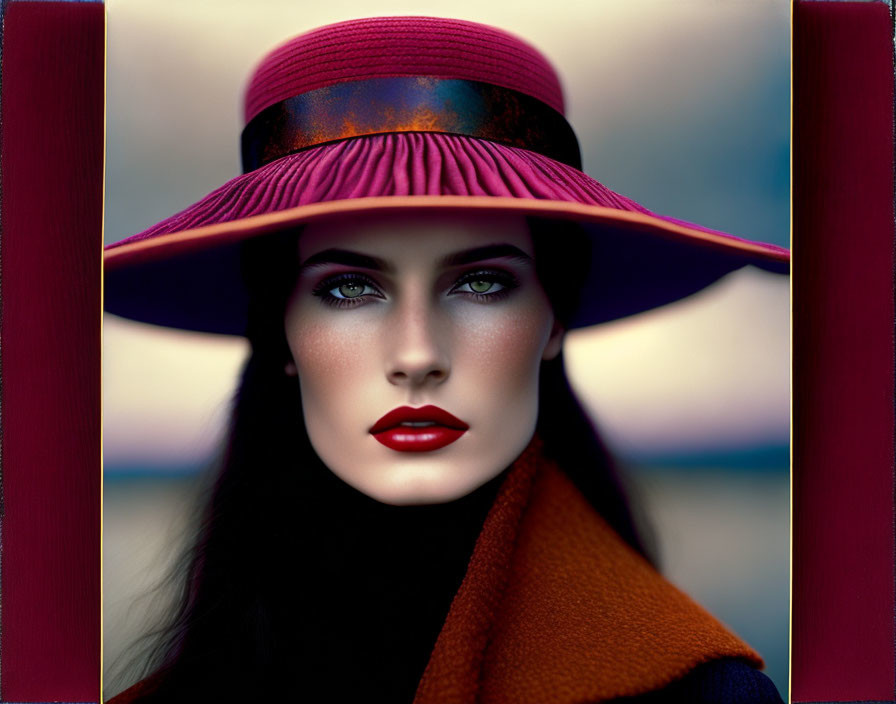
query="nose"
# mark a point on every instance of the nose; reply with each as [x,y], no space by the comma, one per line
[417,353]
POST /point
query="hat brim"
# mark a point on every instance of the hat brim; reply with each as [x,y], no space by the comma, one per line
[185,271]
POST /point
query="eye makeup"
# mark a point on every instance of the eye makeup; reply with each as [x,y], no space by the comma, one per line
[325,290]
[330,290]
[505,280]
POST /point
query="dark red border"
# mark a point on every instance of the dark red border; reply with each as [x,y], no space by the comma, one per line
[843,353]
[51,218]
[843,627]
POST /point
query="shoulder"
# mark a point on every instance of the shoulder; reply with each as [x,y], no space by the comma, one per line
[725,681]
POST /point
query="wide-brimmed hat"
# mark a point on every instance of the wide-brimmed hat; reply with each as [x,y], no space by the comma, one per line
[410,114]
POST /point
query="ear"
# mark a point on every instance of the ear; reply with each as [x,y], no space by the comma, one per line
[555,341]
[290,369]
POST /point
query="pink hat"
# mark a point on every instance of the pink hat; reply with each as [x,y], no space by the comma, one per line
[397,113]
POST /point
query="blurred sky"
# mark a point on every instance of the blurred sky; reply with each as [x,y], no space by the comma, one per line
[683,106]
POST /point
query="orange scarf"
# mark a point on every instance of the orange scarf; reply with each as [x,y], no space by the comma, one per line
[556,607]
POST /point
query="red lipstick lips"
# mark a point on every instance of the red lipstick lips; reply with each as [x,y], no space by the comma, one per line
[422,429]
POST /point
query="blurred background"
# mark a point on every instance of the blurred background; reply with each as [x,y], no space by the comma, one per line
[682,106]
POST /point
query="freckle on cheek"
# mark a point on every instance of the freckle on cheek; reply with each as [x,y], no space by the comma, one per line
[329,358]
[512,351]
[318,350]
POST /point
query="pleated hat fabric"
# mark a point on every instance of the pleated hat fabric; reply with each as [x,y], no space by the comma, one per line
[185,271]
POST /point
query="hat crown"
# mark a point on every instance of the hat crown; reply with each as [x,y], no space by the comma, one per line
[381,47]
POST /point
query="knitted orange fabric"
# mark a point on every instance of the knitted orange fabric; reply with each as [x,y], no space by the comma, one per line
[555,607]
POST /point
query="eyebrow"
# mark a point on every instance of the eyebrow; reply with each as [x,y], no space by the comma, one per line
[347,258]
[365,261]
[489,251]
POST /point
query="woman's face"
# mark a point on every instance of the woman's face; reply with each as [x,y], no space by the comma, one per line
[417,341]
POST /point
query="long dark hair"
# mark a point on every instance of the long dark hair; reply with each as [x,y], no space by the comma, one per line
[224,630]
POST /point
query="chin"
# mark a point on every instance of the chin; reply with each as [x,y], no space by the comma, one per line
[423,498]
[416,486]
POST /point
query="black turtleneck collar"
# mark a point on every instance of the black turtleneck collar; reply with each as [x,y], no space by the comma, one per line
[373,584]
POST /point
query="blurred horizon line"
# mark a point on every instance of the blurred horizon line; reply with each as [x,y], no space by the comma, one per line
[765,458]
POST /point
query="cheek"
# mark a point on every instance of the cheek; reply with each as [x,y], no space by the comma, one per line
[317,349]
[505,352]
[331,360]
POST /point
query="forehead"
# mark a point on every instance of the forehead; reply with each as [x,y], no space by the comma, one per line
[430,236]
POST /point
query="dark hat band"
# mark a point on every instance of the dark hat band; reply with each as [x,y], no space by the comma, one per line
[408,104]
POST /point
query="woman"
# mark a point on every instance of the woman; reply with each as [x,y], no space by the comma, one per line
[412,505]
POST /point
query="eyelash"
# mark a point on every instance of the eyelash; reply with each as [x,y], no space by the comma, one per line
[324,287]
[505,279]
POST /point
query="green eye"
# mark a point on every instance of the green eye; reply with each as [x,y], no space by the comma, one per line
[481,286]
[485,285]
[351,290]
[347,290]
